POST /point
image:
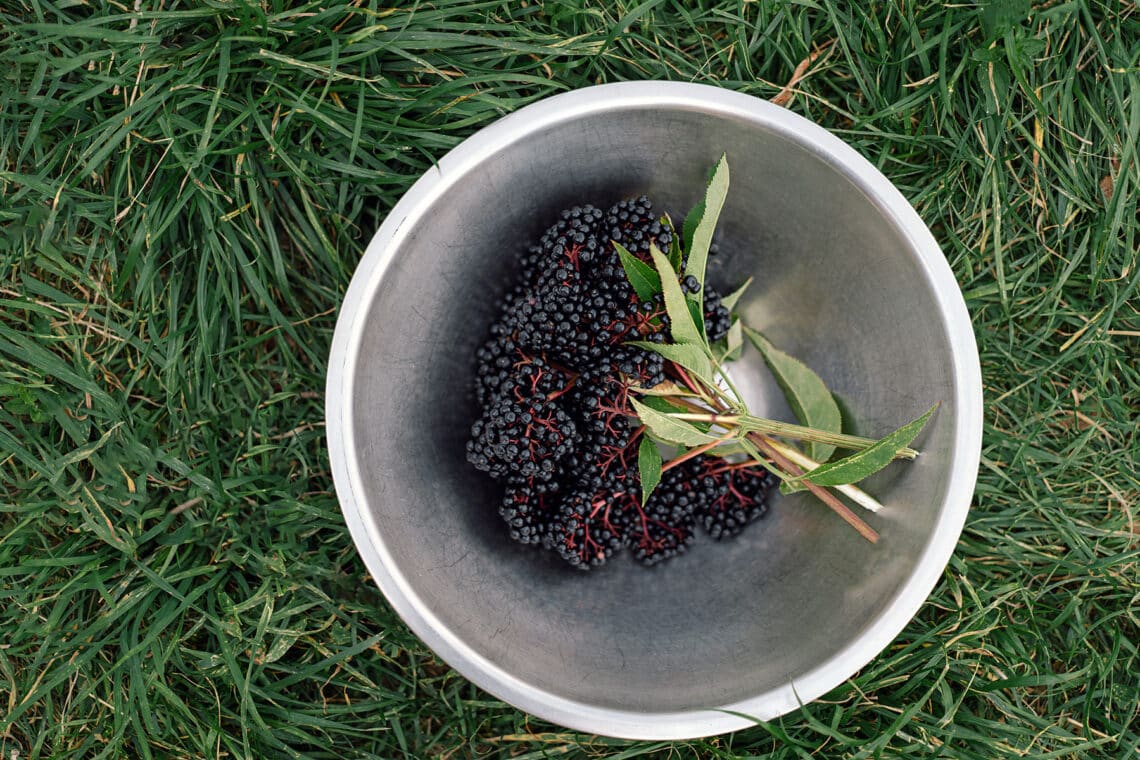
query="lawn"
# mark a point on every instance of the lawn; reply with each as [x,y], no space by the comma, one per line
[185,189]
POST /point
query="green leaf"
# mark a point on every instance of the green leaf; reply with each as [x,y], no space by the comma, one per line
[729,302]
[698,243]
[853,468]
[641,276]
[1001,16]
[675,254]
[806,393]
[789,487]
[667,388]
[692,219]
[668,429]
[20,401]
[689,356]
[648,466]
[733,343]
[681,324]
[696,311]
[665,406]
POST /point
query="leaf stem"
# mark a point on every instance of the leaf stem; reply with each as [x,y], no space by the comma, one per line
[737,401]
[765,426]
[765,461]
[856,494]
[841,509]
[715,419]
[799,432]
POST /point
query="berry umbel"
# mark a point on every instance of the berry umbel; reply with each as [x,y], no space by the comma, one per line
[554,379]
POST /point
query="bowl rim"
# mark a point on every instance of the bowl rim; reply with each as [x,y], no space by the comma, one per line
[346,467]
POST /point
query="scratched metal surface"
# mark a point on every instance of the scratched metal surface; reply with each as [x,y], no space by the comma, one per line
[797,602]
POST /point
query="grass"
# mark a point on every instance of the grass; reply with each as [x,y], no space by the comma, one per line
[184,191]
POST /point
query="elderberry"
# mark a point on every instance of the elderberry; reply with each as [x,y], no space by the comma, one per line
[557,428]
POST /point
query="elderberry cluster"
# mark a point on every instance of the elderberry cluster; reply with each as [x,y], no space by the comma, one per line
[553,380]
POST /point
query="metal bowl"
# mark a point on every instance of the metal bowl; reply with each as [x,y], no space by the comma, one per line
[848,278]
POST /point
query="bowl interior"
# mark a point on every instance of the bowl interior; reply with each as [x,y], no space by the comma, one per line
[837,284]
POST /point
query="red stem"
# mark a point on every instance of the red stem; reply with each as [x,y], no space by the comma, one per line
[693,453]
[688,381]
[865,530]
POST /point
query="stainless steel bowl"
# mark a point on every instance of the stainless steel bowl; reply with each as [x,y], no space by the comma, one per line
[847,278]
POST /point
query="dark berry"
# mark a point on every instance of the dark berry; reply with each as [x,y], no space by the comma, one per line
[553,380]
